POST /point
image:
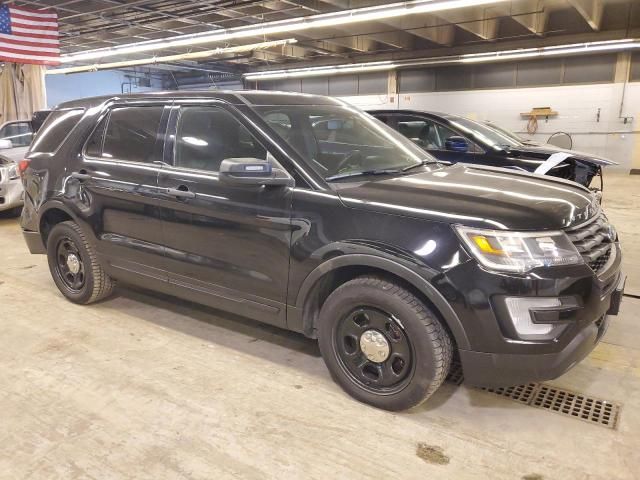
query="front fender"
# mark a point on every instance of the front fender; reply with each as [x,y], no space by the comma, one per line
[397,267]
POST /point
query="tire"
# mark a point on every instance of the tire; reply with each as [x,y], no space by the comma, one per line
[418,348]
[90,283]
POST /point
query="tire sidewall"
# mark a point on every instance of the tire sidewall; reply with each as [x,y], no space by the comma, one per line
[65,230]
[424,371]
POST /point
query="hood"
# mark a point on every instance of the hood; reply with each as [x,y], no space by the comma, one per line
[15,154]
[477,197]
[542,152]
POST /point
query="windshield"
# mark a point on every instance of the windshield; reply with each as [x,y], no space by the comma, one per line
[486,134]
[340,141]
[504,131]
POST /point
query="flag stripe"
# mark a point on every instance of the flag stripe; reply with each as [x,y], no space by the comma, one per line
[33,42]
[29,36]
[19,27]
[9,53]
[44,14]
[36,42]
[29,48]
[49,36]
[22,20]
[48,52]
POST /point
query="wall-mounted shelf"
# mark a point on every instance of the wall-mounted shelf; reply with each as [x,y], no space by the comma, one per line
[545,112]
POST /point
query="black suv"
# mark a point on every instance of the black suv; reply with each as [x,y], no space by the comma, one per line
[306,213]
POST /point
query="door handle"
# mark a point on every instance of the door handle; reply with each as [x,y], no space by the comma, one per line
[181,192]
[81,175]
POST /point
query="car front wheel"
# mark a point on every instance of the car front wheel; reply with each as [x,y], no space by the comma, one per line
[382,344]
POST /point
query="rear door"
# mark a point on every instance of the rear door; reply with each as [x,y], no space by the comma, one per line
[226,246]
[117,185]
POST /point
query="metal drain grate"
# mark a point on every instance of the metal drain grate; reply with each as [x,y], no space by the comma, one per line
[565,402]
[455,374]
[519,393]
[589,409]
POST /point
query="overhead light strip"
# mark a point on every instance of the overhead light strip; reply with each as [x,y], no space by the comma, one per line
[571,49]
[170,58]
[322,20]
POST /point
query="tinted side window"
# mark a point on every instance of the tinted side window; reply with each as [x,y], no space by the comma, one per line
[421,132]
[131,133]
[55,129]
[208,135]
[18,132]
[425,133]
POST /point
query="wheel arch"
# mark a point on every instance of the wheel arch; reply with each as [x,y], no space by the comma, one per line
[54,213]
[338,270]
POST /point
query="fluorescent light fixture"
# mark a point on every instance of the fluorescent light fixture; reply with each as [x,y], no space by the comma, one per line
[589,47]
[571,49]
[170,58]
[321,20]
[313,71]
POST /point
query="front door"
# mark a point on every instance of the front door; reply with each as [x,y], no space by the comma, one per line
[226,246]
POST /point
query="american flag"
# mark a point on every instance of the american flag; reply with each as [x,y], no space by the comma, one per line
[29,36]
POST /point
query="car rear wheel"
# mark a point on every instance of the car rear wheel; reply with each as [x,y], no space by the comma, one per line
[74,265]
[382,344]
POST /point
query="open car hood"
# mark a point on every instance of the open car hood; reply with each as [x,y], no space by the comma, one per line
[543,151]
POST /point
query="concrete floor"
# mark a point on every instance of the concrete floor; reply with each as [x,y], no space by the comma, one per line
[145,387]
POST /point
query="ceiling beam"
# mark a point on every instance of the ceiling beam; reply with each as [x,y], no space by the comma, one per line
[373,31]
[531,14]
[328,42]
[479,47]
[590,10]
[483,22]
[427,27]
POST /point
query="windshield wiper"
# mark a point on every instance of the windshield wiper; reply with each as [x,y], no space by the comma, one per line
[426,162]
[362,173]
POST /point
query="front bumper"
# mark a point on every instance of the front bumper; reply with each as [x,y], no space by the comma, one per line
[506,369]
[11,194]
[497,356]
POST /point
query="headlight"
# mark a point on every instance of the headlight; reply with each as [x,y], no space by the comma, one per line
[13,173]
[519,251]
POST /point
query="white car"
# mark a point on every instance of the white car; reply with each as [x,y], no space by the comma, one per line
[15,138]
[11,192]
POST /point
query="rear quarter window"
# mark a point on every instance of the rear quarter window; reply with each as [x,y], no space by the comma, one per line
[55,130]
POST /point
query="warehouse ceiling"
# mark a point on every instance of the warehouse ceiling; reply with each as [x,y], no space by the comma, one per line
[91,24]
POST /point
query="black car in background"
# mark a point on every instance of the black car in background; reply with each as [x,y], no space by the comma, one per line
[306,213]
[453,138]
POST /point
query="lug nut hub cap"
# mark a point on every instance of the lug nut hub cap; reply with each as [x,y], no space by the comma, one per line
[374,346]
[73,263]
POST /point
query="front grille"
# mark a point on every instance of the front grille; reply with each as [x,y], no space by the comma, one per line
[593,240]
[601,261]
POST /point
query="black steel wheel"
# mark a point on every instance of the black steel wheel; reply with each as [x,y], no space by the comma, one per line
[74,265]
[374,349]
[69,265]
[382,344]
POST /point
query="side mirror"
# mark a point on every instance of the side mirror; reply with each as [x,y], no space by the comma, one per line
[456,144]
[5,144]
[252,171]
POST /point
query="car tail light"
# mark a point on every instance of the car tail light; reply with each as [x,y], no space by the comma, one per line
[22,166]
